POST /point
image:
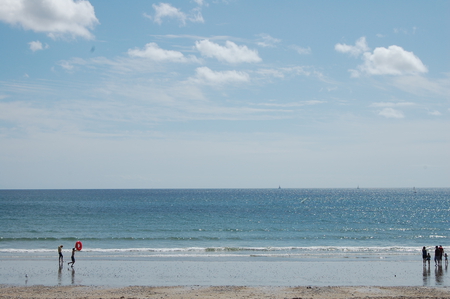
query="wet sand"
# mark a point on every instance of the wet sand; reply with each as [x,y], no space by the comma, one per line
[223,272]
[222,278]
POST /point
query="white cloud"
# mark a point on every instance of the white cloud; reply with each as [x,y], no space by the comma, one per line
[359,47]
[154,52]
[231,52]
[301,50]
[37,45]
[391,113]
[393,60]
[267,41]
[165,10]
[207,76]
[57,18]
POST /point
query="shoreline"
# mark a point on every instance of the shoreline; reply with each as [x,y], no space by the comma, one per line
[222,292]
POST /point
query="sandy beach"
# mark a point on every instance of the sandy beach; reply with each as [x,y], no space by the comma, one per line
[222,292]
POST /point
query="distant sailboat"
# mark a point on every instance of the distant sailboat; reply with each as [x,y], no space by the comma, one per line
[414,190]
[279,187]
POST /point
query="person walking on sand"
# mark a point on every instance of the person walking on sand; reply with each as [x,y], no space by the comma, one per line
[61,258]
[72,257]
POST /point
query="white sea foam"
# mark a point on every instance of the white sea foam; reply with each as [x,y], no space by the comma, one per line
[242,250]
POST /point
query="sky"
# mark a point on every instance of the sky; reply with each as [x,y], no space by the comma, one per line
[224,94]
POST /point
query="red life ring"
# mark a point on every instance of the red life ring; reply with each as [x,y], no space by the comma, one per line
[78,246]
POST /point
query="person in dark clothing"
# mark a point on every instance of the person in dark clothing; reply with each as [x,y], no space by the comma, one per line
[437,256]
[73,257]
[424,254]
[61,258]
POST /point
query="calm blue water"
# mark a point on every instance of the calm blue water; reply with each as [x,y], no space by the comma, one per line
[224,221]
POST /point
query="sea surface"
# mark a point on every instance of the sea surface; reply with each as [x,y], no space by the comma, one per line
[205,223]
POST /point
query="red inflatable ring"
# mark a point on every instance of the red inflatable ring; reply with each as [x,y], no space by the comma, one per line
[78,245]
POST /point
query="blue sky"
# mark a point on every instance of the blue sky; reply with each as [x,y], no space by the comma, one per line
[224,94]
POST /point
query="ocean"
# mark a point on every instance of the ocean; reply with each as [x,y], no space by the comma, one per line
[167,223]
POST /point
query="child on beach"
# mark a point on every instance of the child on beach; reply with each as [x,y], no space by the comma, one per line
[72,257]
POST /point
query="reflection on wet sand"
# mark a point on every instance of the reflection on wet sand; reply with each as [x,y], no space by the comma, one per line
[440,272]
[73,275]
[60,274]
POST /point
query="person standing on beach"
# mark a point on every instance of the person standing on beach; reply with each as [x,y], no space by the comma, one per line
[61,258]
[437,256]
[424,254]
[73,257]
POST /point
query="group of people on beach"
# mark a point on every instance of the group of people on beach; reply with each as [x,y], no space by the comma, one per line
[61,257]
[438,254]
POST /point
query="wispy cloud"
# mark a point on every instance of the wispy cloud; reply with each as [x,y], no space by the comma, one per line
[72,64]
[435,113]
[423,86]
[205,75]
[405,31]
[301,50]
[267,41]
[391,113]
[230,53]
[154,52]
[391,104]
[292,104]
[167,11]
[388,110]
